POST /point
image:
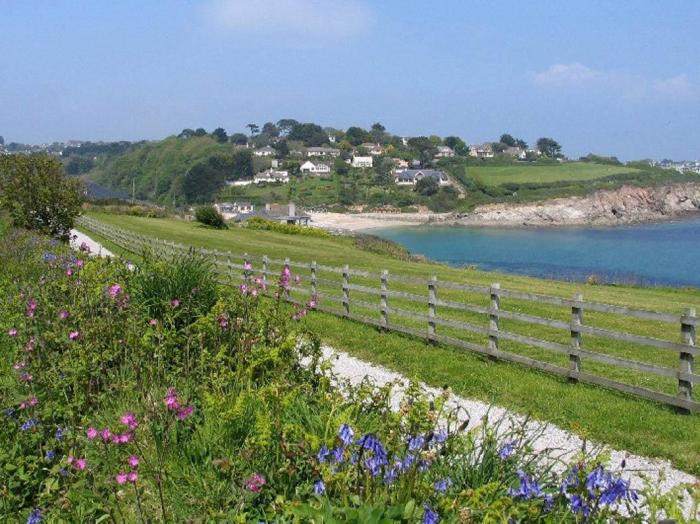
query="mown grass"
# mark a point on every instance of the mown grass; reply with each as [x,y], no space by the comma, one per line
[496,175]
[621,421]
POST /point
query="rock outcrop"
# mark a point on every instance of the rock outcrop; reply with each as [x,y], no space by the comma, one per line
[626,205]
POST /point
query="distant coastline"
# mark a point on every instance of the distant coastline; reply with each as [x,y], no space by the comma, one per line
[623,206]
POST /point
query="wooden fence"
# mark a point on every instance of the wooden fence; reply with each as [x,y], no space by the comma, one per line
[539,331]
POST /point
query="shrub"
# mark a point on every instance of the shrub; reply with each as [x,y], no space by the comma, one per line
[288,229]
[209,216]
[37,194]
[380,246]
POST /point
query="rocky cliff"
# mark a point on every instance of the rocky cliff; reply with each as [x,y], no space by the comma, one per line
[626,205]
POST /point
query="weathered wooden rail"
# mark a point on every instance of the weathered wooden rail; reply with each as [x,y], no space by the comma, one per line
[472,317]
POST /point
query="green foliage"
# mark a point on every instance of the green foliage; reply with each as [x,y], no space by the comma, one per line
[37,195]
[380,246]
[603,160]
[262,224]
[312,135]
[549,147]
[209,216]
[427,186]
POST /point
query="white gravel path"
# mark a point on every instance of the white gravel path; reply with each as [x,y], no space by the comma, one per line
[550,436]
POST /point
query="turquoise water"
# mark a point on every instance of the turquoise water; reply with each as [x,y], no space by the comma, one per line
[651,254]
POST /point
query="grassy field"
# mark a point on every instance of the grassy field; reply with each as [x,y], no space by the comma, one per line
[639,426]
[496,175]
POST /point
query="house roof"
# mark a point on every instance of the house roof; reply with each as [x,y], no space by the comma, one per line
[408,175]
[323,150]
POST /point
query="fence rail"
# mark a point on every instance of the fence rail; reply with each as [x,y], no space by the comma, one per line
[474,318]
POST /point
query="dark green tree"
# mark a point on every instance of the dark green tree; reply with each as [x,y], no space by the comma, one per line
[271,129]
[254,129]
[357,135]
[427,186]
[282,148]
[238,139]
[312,135]
[186,133]
[378,132]
[37,195]
[457,144]
[219,134]
[549,147]
[285,125]
[200,131]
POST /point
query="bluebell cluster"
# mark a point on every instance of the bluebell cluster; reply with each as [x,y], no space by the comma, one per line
[50,455]
[29,424]
[507,450]
[60,433]
[34,517]
[602,488]
[430,516]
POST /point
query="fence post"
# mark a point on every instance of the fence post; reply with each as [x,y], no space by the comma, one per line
[264,270]
[346,290]
[313,299]
[494,291]
[576,321]
[685,387]
[432,298]
[245,264]
[384,300]
[229,265]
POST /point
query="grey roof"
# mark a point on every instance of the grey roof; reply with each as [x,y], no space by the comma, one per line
[408,175]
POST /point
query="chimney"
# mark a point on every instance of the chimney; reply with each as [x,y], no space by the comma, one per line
[292,209]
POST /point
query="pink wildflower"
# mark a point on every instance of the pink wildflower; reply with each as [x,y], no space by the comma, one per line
[171,399]
[91,433]
[26,377]
[223,321]
[133,461]
[133,476]
[63,314]
[69,272]
[12,332]
[153,322]
[114,290]
[121,477]
[184,412]
[255,482]
[254,292]
[79,263]
[174,303]
[80,464]
[29,347]
[73,335]
[105,434]
[84,247]
[70,460]
[297,279]
[23,405]
[20,365]
[31,308]
[247,266]
[244,289]
[129,420]
[33,401]
[124,438]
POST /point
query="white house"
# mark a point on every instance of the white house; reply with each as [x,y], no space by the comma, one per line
[230,210]
[322,151]
[272,175]
[410,177]
[265,151]
[400,163]
[481,151]
[444,152]
[315,169]
[373,149]
[238,183]
[515,152]
[361,161]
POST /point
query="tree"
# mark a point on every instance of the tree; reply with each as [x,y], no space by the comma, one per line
[519,142]
[271,129]
[38,195]
[282,148]
[220,135]
[507,140]
[427,186]
[312,135]
[186,133]
[378,132]
[242,165]
[549,147]
[457,144]
[424,147]
[340,166]
[357,135]
[286,125]
[238,139]
[2,140]
[254,129]
[200,131]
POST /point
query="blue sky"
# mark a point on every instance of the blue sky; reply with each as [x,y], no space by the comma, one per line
[613,77]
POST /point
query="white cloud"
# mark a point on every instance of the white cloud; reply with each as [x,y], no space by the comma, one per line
[275,18]
[675,86]
[617,83]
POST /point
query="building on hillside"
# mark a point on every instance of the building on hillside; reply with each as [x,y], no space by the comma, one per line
[361,161]
[240,182]
[322,151]
[373,149]
[230,210]
[410,177]
[284,214]
[271,176]
[515,152]
[481,151]
[534,151]
[444,152]
[265,151]
[400,163]
[332,139]
[318,168]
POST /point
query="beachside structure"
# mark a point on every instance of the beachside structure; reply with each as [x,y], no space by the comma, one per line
[410,177]
[271,176]
[265,151]
[312,168]
[361,161]
[230,210]
[481,151]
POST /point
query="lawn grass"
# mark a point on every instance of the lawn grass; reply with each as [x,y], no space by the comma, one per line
[621,421]
[567,171]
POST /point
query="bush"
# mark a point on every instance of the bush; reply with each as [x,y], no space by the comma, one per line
[37,194]
[209,216]
[380,246]
[263,224]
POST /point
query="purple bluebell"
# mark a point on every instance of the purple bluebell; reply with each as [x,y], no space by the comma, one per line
[440,436]
[390,475]
[29,424]
[507,450]
[442,485]
[60,433]
[319,487]
[346,434]
[10,413]
[529,487]
[416,443]
[578,505]
[371,442]
[34,517]
[407,462]
[322,454]
[338,455]
[50,454]
[429,516]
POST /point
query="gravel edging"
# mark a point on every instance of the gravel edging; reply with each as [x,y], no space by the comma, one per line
[549,436]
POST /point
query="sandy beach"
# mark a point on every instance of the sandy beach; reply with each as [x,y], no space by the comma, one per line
[362,221]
